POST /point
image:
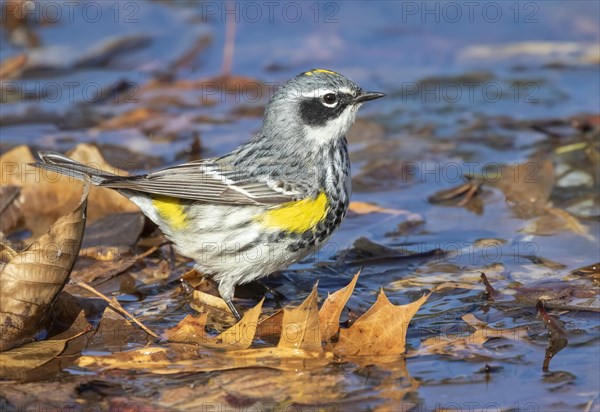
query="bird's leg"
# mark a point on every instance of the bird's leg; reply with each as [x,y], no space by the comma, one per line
[226,291]
[233,309]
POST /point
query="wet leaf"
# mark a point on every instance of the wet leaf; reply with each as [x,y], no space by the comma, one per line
[526,186]
[32,280]
[557,340]
[239,389]
[555,221]
[184,358]
[240,336]
[380,331]
[30,355]
[329,314]
[190,329]
[468,345]
[217,309]
[270,326]
[300,326]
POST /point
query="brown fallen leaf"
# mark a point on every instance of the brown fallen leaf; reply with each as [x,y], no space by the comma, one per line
[6,254]
[11,209]
[467,345]
[270,326]
[380,331]
[14,363]
[47,195]
[526,186]
[555,221]
[12,67]
[177,358]
[329,314]
[190,329]
[235,388]
[300,326]
[33,278]
[218,311]
[363,208]
[31,355]
[132,118]
[240,336]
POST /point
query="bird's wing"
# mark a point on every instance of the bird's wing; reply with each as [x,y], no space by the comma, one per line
[211,182]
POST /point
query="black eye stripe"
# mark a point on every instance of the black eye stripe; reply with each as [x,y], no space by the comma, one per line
[315,113]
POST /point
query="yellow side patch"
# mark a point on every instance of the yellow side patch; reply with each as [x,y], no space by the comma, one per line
[171,211]
[310,73]
[299,216]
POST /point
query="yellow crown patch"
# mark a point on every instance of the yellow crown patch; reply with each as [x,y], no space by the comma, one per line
[310,73]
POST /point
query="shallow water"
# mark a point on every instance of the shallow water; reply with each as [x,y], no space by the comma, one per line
[463,92]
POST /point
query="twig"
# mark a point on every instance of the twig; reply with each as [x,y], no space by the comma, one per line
[114,305]
[229,44]
[489,289]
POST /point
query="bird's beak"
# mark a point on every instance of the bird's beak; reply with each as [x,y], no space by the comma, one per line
[366,96]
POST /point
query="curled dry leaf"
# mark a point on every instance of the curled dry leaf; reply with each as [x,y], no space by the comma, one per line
[329,314]
[380,331]
[47,195]
[33,278]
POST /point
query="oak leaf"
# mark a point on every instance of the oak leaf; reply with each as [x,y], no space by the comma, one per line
[380,331]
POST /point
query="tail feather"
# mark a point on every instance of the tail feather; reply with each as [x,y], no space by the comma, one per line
[59,163]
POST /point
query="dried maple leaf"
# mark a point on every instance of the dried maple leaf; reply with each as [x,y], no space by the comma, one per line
[33,278]
[380,331]
[329,314]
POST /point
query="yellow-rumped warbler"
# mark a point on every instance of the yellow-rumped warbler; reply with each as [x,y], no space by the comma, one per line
[265,205]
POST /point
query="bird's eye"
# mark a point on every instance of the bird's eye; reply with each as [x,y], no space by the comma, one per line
[330,99]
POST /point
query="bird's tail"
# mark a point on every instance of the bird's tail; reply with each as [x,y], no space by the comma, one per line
[62,164]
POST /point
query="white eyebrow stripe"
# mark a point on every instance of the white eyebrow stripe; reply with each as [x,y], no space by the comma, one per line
[323,92]
[317,93]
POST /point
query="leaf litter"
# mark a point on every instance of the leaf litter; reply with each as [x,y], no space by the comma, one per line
[136,266]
